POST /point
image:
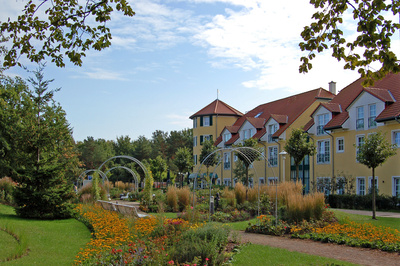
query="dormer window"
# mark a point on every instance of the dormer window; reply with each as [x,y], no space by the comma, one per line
[322,121]
[227,136]
[360,118]
[248,133]
[372,116]
[271,130]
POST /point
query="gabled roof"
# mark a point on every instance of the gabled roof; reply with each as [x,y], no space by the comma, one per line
[284,111]
[281,119]
[387,90]
[309,125]
[332,107]
[217,107]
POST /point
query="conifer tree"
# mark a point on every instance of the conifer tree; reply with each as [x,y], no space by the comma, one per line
[45,150]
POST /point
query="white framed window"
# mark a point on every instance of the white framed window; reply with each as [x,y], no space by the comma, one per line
[323,152]
[322,121]
[396,138]
[227,160]
[195,159]
[324,185]
[360,189]
[370,183]
[360,140]
[261,180]
[204,138]
[248,133]
[273,156]
[272,181]
[372,116]
[195,122]
[360,118]
[195,141]
[396,186]
[206,121]
[227,137]
[340,144]
[271,130]
[227,182]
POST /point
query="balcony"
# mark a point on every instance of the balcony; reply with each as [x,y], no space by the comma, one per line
[371,122]
[360,123]
[320,130]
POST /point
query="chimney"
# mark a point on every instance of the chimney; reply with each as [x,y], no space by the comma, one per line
[332,87]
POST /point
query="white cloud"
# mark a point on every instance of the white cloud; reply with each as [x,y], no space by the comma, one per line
[179,120]
[102,74]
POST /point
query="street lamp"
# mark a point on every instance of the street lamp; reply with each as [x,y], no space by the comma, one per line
[283,153]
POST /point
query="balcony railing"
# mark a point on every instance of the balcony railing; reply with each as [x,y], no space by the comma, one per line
[371,122]
[320,130]
[360,123]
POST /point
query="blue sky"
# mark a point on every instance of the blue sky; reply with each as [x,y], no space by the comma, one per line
[168,61]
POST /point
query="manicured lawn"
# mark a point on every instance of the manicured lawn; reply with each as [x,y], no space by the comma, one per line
[393,223]
[50,242]
[265,255]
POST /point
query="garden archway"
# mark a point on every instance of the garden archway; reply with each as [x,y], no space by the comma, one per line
[130,171]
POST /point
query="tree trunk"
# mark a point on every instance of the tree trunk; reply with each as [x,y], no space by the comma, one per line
[373,195]
[297,173]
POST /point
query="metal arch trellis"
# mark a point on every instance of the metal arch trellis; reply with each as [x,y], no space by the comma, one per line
[250,157]
[127,157]
[130,171]
[84,173]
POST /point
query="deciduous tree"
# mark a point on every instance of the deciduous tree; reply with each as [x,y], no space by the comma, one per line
[377,22]
[60,28]
[373,153]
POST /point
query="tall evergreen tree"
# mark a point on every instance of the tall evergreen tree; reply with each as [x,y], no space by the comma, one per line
[44,153]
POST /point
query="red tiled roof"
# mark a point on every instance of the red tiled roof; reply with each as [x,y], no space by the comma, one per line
[332,107]
[232,139]
[258,123]
[260,133]
[284,111]
[217,107]
[382,94]
[385,89]
[218,141]
[281,119]
[309,125]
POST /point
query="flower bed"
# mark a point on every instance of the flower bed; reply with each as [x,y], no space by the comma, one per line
[357,235]
[329,230]
[149,241]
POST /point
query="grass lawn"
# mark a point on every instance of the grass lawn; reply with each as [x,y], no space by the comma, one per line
[393,223]
[265,255]
[54,242]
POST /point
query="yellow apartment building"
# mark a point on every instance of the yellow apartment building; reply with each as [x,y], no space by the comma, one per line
[336,124]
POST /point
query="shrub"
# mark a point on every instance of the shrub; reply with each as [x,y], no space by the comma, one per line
[172,198]
[240,193]
[203,245]
[252,194]
[7,187]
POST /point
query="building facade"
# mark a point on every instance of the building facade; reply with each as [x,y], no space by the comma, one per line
[336,124]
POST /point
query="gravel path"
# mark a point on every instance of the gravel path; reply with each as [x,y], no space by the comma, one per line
[361,256]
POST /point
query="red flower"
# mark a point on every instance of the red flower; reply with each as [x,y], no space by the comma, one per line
[171,262]
[207,259]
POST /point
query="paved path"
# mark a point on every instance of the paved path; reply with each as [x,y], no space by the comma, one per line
[369,213]
[362,256]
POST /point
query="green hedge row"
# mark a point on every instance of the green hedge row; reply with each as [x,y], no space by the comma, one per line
[358,202]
